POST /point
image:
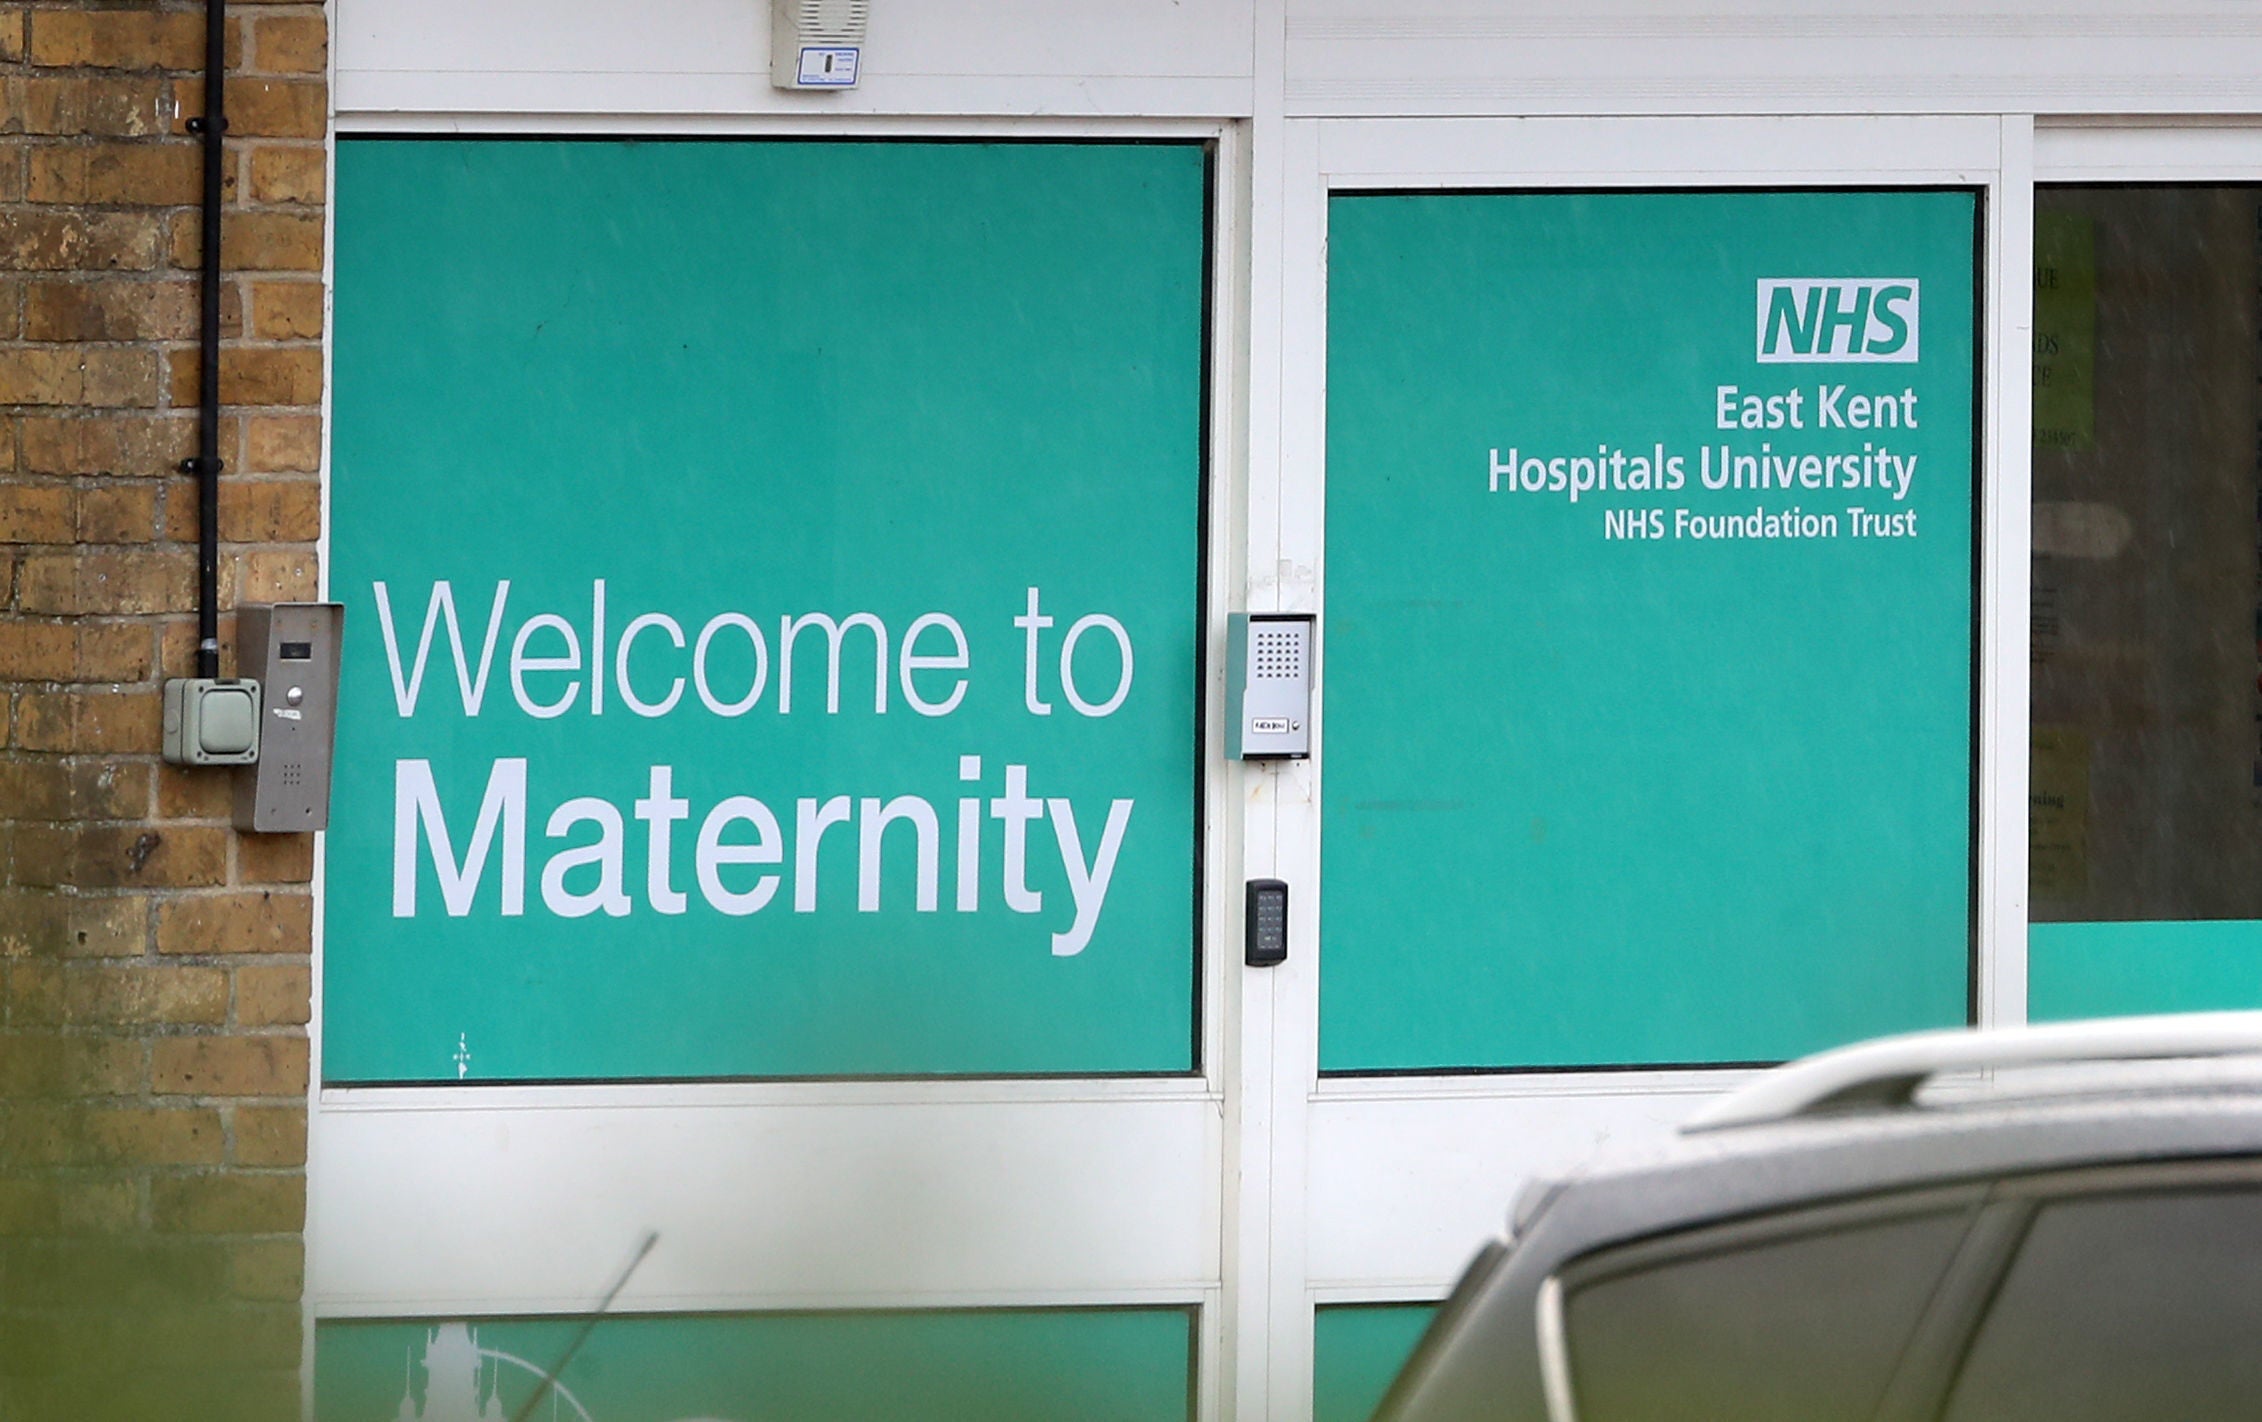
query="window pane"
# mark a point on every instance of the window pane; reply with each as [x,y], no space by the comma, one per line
[1356,1350]
[2146,762]
[998,1365]
[1649,643]
[2128,1309]
[759,448]
[1799,1330]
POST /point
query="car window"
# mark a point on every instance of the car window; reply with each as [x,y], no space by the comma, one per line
[2125,1308]
[1805,1328]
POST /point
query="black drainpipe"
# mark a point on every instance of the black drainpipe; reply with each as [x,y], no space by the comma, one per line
[206,465]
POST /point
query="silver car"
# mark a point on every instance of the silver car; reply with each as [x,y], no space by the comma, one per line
[2051,1224]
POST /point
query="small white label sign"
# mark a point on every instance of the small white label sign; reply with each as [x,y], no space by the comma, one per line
[828,66]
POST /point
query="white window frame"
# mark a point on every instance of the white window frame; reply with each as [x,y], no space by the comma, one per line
[450,1202]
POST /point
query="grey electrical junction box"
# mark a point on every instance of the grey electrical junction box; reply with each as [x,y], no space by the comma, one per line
[1268,703]
[292,649]
[212,721]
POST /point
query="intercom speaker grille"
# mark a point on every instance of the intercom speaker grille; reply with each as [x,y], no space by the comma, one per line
[1279,656]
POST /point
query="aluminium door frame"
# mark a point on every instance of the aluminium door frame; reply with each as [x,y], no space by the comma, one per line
[1144,1228]
[1378,1188]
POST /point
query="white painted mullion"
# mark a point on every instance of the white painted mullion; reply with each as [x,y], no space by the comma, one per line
[1250,1175]
[2006,590]
[1296,587]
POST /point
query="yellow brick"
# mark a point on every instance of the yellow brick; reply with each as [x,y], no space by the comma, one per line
[101,581]
[123,512]
[160,1135]
[37,513]
[83,722]
[246,922]
[275,858]
[78,107]
[79,375]
[288,173]
[145,174]
[34,992]
[74,926]
[275,577]
[110,310]
[114,925]
[273,1269]
[282,443]
[117,39]
[100,1207]
[261,108]
[73,652]
[228,1066]
[251,375]
[78,1068]
[273,994]
[290,44]
[228,1204]
[39,651]
[272,511]
[148,994]
[143,445]
[121,856]
[79,241]
[287,310]
[187,794]
[271,242]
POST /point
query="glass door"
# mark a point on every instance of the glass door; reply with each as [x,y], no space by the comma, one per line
[1641,466]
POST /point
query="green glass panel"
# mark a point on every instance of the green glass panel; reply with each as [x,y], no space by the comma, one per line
[2114,969]
[1356,1350]
[1105,1365]
[1648,657]
[639,417]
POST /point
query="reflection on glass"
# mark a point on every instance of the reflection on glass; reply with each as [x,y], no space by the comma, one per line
[2147,746]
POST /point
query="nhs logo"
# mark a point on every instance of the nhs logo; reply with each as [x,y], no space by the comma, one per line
[1837,319]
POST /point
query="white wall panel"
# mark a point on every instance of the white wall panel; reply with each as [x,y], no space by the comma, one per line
[449,1203]
[1409,1176]
[1440,57]
[999,57]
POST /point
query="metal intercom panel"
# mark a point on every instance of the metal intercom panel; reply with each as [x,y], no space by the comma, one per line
[292,649]
[1268,714]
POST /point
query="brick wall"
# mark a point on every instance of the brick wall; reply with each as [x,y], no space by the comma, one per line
[153,962]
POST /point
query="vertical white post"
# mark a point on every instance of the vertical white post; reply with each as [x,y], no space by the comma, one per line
[1251,1049]
[2006,572]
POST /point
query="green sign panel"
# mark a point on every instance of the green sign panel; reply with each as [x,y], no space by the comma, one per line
[1001,1365]
[1649,587]
[773,582]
